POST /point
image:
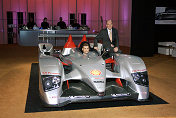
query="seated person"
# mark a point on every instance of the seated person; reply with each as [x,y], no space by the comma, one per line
[75,24]
[61,24]
[31,23]
[85,48]
[45,24]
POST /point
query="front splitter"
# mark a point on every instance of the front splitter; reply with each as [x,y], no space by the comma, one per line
[75,99]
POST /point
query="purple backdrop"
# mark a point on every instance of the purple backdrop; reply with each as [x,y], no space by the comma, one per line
[117,10]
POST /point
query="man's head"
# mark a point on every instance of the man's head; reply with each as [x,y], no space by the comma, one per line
[60,18]
[109,24]
[45,19]
[75,20]
[31,19]
[85,48]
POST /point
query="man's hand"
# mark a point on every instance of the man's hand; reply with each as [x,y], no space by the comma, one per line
[112,45]
[96,48]
[116,49]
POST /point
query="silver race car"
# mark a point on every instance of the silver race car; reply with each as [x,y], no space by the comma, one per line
[68,76]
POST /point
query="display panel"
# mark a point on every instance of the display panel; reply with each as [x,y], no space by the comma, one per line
[165,15]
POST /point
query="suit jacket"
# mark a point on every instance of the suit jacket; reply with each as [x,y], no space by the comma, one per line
[62,25]
[103,35]
[45,25]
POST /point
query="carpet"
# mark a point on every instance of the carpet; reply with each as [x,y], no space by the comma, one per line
[33,103]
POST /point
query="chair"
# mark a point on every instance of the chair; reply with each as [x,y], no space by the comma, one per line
[46,48]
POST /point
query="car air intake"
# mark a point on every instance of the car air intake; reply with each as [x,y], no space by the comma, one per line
[101,94]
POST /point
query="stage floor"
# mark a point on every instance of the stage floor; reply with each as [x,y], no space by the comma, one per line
[15,67]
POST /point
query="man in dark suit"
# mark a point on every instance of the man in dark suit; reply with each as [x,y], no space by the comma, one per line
[61,24]
[31,23]
[45,24]
[109,37]
[75,24]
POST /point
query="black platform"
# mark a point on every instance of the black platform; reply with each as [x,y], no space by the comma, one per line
[33,103]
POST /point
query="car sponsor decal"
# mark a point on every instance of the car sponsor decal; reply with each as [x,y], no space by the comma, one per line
[99,78]
[98,81]
[122,94]
[50,73]
[53,97]
[95,72]
[139,70]
[73,97]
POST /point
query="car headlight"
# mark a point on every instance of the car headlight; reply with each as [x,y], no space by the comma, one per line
[140,78]
[136,76]
[56,80]
[50,82]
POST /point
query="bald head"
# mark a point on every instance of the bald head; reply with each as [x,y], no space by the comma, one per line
[109,24]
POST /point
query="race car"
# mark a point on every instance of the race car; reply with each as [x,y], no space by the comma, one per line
[68,76]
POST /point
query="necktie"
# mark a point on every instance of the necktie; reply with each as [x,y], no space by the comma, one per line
[110,35]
